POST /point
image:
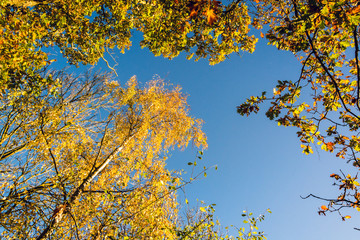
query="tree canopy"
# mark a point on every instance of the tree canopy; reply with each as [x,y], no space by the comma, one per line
[83,156]
[92,143]
[323,103]
[60,127]
[84,30]
[86,159]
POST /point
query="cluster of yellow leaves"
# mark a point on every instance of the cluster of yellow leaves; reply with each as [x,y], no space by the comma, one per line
[92,161]
[84,30]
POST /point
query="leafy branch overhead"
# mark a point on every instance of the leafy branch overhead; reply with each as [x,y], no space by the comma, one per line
[84,31]
[57,153]
[114,165]
[323,103]
[210,9]
[84,157]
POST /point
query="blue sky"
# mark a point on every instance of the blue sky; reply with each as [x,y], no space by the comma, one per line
[260,165]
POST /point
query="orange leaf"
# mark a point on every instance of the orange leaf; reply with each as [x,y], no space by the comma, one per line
[355,10]
[347,217]
[335,176]
[193,13]
[261,35]
[323,207]
[194,7]
[210,15]
[330,146]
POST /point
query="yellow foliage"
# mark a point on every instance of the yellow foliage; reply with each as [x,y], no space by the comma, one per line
[91,161]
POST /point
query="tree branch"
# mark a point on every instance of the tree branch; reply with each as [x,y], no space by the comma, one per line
[57,217]
[324,67]
[357,66]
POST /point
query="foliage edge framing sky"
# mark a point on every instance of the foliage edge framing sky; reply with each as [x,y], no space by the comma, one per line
[287,32]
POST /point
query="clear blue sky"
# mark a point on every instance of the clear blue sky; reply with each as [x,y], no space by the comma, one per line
[260,165]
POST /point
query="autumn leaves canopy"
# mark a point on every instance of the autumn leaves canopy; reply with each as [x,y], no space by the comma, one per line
[83,157]
[69,142]
[84,31]
[323,103]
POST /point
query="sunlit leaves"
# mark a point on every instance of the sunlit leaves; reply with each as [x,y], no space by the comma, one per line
[203,225]
[210,16]
[84,32]
[324,36]
[70,172]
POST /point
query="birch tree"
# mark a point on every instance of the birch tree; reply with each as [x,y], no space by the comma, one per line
[86,159]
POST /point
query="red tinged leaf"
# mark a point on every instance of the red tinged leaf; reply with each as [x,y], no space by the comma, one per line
[354,10]
[357,196]
[217,3]
[336,176]
[321,213]
[330,146]
[193,13]
[194,7]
